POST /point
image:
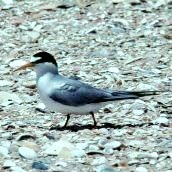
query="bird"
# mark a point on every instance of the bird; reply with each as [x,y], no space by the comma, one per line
[70,96]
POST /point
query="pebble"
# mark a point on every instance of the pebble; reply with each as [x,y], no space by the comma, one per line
[113,145]
[3,151]
[40,106]
[133,155]
[119,133]
[135,143]
[141,169]
[142,86]
[138,104]
[79,153]
[27,153]
[39,165]
[25,136]
[61,163]
[154,155]
[161,120]
[108,151]
[17,63]
[7,136]
[104,130]
[82,145]
[113,70]
[17,169]
[38,28]
[138,112]
[29,84]
[34,35]
[5,83]
[166,144]
[102,143]
[8,1]
[99,161]
[6,144]
[100,53]
[9,163]
[4,70]
[133,161]
[152,162]
[7,103]
[61,148]
[170,154]
[105,168]
[93,148]
[6,96]
[142,155]
[64,149]
[29,144]
[98,152]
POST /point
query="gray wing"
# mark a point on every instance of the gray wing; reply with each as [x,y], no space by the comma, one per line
[78,94]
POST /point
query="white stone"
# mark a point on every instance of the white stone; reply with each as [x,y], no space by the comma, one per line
[17,63]
[120,132]
[141,169]
[170,154]
[137,143]
[34,35]
[6,135]
[142,86]
[99,161]
[9,163]
[161,120]
[40,106]
[6,144]
[113,70]
[78,153]
[54,148]
[3,151]
[93,148]
[152,161]
[17,169]
[154,155]
[61,148]
[138,112]
[133,155]
[5,96]
[27,153]
[156,71]
[81,145]
[61,163]
[8,2]
[5,83]
[113,145]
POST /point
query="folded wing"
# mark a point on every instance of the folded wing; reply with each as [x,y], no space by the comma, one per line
[81,94]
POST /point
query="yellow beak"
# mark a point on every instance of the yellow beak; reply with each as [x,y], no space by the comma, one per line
[24,66]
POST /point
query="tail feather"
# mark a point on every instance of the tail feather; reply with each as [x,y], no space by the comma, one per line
[144,93]
[121,95]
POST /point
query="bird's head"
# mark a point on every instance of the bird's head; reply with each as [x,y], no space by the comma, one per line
[40,59]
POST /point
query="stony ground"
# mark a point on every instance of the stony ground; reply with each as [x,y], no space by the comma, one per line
[116,44]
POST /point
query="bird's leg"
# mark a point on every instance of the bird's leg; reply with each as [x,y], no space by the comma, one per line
[68,117]
[92,114]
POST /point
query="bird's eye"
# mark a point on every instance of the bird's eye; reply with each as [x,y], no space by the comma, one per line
[34,59]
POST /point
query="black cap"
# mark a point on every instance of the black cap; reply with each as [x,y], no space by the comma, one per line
[44,57]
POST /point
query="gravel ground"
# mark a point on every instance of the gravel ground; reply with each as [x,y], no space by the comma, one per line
[116,44]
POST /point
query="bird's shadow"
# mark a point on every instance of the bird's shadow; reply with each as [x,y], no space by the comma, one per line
[76,127]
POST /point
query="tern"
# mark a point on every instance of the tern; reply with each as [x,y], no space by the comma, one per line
[69,96]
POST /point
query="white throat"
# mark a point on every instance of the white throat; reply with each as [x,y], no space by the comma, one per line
[43,68]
